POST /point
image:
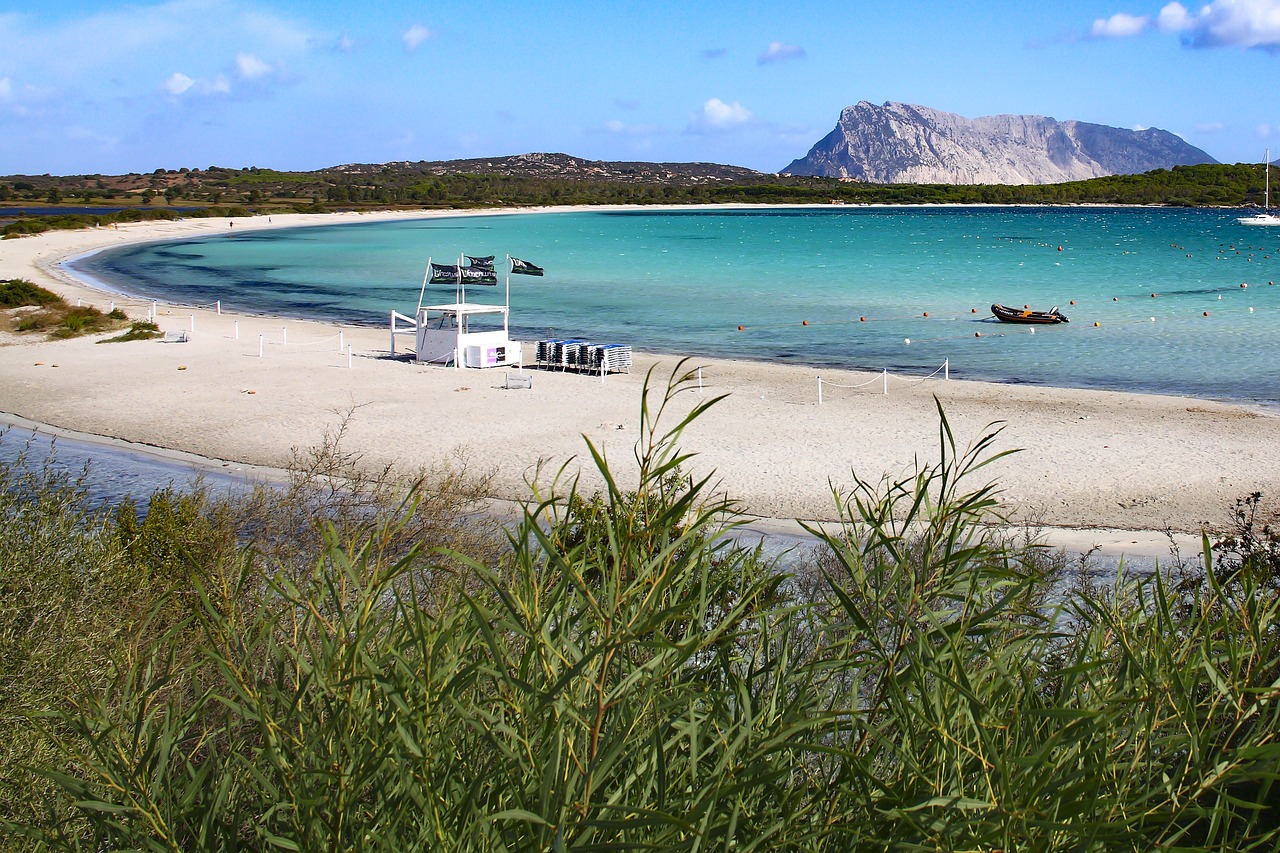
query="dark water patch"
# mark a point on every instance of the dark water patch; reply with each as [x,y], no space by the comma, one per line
[110,474]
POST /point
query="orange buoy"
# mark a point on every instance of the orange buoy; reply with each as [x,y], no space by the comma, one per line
[1206,313]
[862,319]
[739,328]
[804,323]
[973,310]
[1153,296]
[1059,248]
[1073,302]
[977,334]
[926,313]
[1026,307]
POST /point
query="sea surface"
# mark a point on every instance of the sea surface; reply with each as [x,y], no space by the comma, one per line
[1160,300]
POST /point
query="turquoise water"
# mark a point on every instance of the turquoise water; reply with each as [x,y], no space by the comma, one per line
[685,281]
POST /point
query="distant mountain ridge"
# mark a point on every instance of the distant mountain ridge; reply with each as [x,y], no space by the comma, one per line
[565,166]
[898,143]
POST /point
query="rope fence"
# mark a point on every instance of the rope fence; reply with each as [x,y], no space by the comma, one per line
[883,379]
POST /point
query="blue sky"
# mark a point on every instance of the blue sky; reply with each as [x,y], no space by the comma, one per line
[93,87]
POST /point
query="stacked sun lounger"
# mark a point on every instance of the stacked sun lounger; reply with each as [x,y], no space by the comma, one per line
[611,358]
[584,356]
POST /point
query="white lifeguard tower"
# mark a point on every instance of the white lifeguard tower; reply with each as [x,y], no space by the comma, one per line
[460,333]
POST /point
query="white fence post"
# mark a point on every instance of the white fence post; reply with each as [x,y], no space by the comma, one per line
[348,356]
[819,389]
[260,346]
[237,329]
[946,369]
[193,322]
[342,341]
[218,305]
[885,376]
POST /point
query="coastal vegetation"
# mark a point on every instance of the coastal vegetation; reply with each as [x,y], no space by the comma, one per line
[352,661]
[32,308]
[96,200]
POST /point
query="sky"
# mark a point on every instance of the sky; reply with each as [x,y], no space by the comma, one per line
[111,88]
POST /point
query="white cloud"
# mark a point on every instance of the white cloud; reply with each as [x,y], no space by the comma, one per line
[345,43]
[6,89]
[716,115]
[1266,131]
[178,83]
[779,52]
[619,128]
[1119,25]
[1226,23]
[251,67]
[1210,127]
[415,36]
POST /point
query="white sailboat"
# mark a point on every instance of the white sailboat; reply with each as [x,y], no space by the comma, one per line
[1266,217]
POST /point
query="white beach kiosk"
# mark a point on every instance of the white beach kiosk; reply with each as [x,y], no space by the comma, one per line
[460,333]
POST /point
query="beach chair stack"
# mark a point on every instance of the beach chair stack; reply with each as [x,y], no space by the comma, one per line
[583,356]
[610,358]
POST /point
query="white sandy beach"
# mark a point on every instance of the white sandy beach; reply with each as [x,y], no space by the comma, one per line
[1092,460]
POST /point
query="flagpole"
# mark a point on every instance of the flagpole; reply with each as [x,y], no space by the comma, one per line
[508,283]
[423,291]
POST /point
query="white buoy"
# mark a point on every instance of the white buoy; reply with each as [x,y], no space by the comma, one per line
[906,340]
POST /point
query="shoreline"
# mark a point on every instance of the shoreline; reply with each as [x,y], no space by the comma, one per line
[1093,460]
[1105,543]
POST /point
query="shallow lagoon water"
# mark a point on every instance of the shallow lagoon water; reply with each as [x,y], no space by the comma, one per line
[684,281]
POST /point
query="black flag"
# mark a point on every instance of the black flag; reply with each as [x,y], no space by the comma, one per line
[524,267]
[452,274]
[483,263]
[444,274]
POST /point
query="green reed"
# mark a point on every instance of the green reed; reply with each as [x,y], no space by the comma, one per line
[622,676]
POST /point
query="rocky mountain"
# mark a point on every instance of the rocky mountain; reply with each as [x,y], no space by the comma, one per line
[909,144]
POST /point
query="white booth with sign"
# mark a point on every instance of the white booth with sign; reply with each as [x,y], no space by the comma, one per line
[466,335]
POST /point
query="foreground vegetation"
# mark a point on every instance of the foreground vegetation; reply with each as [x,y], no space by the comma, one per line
[326,666]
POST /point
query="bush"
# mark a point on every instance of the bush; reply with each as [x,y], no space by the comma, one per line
[141,330]
[623,677]
[18,292]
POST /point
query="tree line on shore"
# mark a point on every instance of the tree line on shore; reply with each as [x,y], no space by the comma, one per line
[222,192]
